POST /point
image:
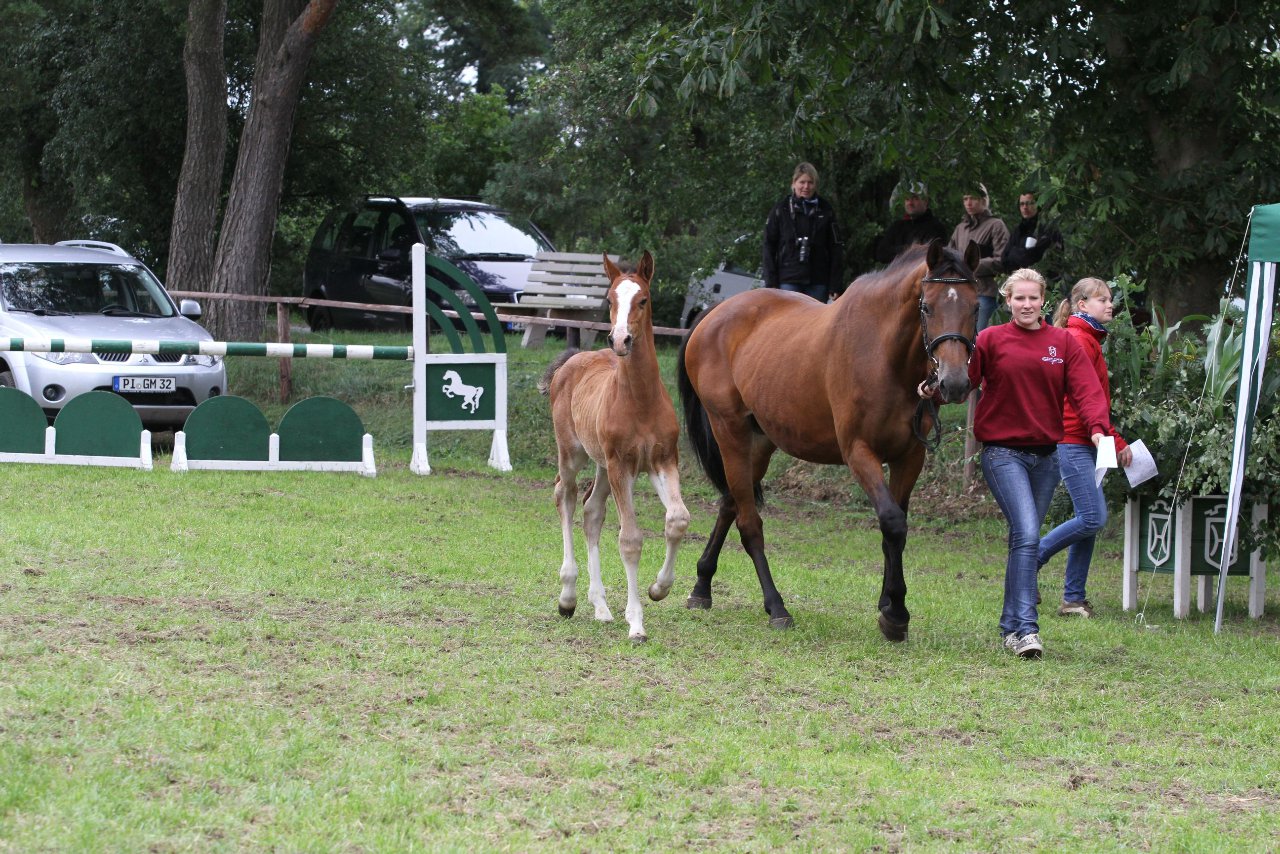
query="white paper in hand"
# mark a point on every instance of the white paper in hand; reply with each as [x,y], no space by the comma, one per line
[1143,466]
[1106,459]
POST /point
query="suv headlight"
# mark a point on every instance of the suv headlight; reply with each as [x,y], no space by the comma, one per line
[68,358]
[202,361]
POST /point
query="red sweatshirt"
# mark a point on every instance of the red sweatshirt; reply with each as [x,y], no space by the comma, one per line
[1025,376]
[1090,340]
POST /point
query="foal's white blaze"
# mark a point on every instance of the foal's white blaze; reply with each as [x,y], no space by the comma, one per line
[626,295]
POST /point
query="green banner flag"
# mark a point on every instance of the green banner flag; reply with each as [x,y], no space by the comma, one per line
[1264,234]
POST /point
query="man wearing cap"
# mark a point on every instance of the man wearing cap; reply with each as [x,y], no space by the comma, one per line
[917,225]
[991,235]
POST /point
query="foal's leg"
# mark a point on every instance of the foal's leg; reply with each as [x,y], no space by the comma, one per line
[593,513]
[667,484]
[629,542]
[566,502]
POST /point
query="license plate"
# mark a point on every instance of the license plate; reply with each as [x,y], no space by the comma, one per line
[146,385]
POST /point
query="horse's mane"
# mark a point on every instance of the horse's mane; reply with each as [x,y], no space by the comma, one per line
[898,272]
[890,277]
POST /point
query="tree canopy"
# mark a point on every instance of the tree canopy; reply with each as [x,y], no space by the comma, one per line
[1147,128]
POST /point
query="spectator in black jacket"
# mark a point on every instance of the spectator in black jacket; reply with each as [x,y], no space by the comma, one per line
[917,225]
[802,250]
[1029,240]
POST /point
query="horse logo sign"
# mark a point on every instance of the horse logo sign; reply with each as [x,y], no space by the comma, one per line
[459,391]
[455,387]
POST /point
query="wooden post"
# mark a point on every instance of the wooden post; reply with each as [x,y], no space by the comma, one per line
[286,364]
[970,443]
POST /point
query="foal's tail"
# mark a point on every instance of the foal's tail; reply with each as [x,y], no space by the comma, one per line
[544,384]
[698,427]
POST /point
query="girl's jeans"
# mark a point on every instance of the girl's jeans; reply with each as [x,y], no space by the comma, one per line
[1078,534]
[1022,484]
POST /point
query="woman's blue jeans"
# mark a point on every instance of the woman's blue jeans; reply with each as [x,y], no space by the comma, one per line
[1022,484]
[818,292]
[1078,534]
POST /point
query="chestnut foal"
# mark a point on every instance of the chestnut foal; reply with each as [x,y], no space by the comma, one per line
[611,406]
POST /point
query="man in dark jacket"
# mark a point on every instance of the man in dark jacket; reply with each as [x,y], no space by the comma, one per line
[917,225]
[802,250]
[1029,240]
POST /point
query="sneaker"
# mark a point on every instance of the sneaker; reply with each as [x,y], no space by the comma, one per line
[1009,640]
[1027,646]
[1081,608]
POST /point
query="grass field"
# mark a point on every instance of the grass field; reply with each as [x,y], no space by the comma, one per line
[310,662]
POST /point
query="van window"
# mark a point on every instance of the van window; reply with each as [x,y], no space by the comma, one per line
[355,239]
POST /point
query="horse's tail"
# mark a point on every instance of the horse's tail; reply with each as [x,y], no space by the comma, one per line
[698,427]
[544,384]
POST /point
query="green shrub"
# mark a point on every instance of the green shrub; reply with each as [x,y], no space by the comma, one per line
[1174,386]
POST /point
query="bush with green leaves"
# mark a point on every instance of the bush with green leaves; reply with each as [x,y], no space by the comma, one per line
[1174,386]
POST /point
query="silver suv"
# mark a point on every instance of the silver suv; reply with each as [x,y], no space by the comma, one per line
[85,289]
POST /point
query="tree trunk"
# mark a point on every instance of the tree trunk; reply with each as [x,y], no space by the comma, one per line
[243,259]
[195,211]
[1193,288]
[47,199]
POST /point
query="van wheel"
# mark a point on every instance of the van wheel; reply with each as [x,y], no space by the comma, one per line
[6,380]
[319,318]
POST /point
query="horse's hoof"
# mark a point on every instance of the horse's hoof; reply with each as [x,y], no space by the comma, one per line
[698,603]
[639,639]
[895,632]
[783,622]
[657,593]
[566,612]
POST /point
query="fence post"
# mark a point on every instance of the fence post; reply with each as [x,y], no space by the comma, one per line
[286,364]
[970,442]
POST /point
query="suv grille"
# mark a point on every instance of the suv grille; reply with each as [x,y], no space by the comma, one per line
[162,358]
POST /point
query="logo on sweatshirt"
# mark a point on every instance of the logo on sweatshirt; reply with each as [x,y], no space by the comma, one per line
[1052,358]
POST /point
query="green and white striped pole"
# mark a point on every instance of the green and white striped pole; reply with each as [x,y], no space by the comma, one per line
[208,348]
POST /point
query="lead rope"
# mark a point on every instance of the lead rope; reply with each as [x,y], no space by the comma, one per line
[927,406]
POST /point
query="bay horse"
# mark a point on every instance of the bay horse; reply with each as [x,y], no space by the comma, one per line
[836,384]
[611,406]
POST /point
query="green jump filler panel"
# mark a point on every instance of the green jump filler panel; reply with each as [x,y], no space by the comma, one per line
[22,423]
[98,424]
[227,428]
[321,428]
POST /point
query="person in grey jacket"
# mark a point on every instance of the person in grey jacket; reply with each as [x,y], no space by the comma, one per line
[991,235]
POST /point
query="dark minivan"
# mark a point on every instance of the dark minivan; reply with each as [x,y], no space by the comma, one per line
[362,255]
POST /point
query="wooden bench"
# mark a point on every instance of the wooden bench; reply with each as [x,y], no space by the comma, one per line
[565,285]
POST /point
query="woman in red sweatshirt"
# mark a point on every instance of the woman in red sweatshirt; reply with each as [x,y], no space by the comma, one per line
[1026,368]
[1084,316]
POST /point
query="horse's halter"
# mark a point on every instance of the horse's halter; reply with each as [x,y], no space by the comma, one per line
[930,345]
